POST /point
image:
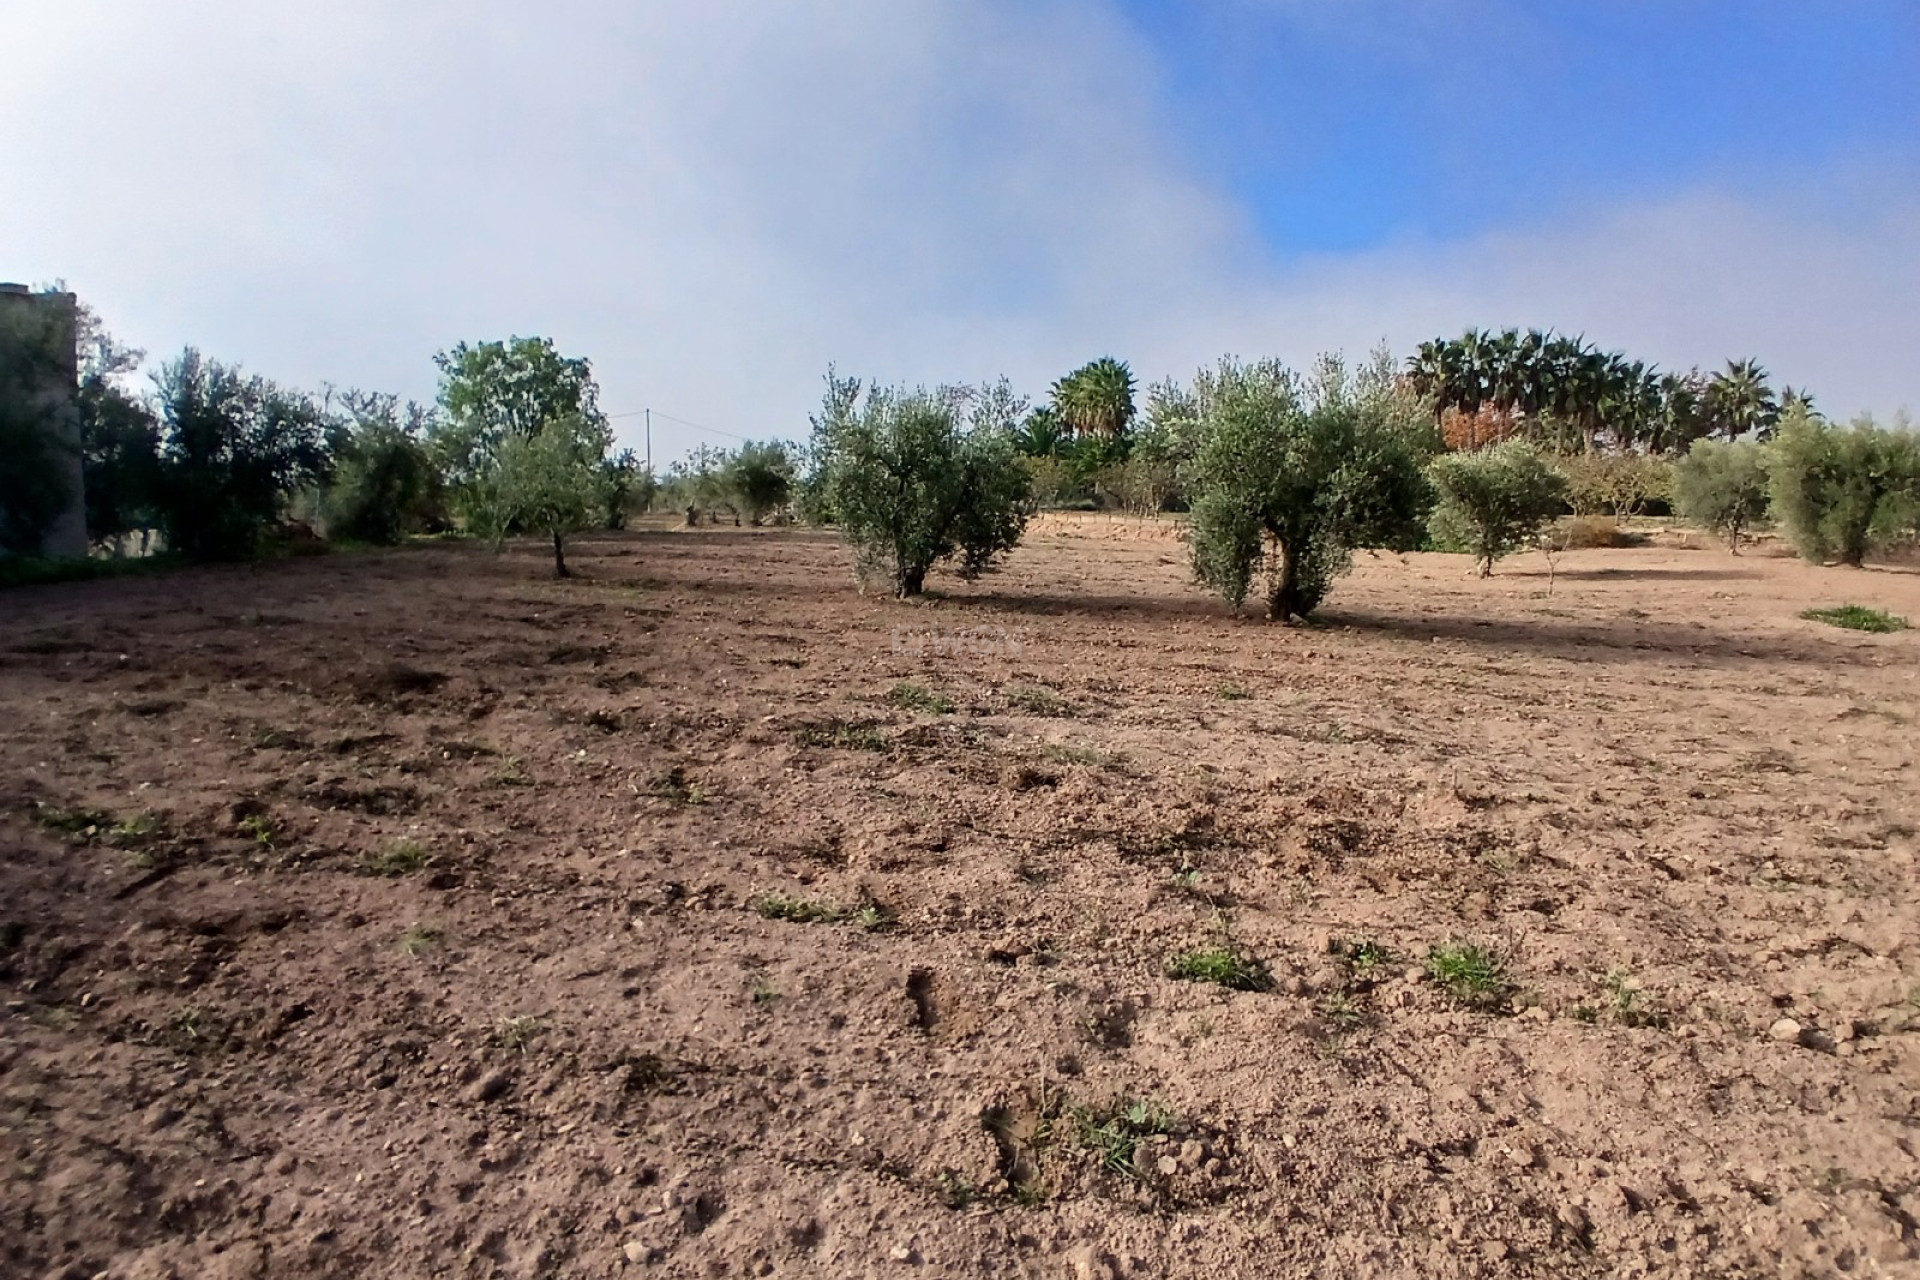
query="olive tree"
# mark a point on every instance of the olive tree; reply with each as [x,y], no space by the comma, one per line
[550,483]
[1294,474]
[759,478]
[1722,486]
[915,478]
[1493,501]
[1839,492]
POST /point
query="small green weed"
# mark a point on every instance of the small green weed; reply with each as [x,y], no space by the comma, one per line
[841,734]
[1628,1001]
[515,1034]
[135,830]
[259,828]
[511,772]
[783,906]
[956,1189]
[1037,700]
[75,822]
[1231,693]
[1341,1010]
[763,992]
[420,939]
[1222,966]
[1856,617]
[1066,753]
[1364,956]
[674,785]
[1117,1130]
[1474,976]
[914,697]
[403,857]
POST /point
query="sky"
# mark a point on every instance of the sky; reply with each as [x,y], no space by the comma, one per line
[715,201]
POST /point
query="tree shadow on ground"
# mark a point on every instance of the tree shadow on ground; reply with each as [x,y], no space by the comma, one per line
[1611,641]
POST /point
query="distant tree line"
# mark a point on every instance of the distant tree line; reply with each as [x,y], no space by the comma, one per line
[1480,444]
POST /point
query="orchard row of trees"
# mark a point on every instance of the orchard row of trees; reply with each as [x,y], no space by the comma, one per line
[1287,475]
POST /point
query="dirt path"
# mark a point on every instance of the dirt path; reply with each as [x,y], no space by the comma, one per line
[402,915]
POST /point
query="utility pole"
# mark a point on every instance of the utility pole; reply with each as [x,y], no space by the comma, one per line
[649,414]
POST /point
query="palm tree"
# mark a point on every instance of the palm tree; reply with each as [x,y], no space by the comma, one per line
[1097,398]
[1042,435]
[1739,400]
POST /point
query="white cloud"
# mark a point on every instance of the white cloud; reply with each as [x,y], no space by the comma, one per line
[716,200]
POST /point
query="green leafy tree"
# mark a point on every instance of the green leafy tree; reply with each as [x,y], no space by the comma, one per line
[550,482]
[119,437]
[1295,475]
[915,478]
[1840,492]
[36,422]
[759,477]
[1097,398]
[234,449]
[625,486]
[1722,486]
[1494,501]
[383,485]
[493,392]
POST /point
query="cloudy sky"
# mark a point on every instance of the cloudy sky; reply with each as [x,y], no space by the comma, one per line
[714,200]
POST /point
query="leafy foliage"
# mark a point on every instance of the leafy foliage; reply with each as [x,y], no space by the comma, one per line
[759,478]
[1493,502]
[1857,617]
[35,469]
[1722,486]
[550,482]
[233,450]
[1299,474]
[1096,399]
[1839,492]
[493,392]
[914,478]
[384,484]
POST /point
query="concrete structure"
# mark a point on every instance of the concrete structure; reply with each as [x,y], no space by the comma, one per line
[60,392]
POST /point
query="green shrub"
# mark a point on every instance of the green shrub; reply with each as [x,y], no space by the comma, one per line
[1493,502]
[1722,487]
[384,485]
[1840,492]
[1295,475]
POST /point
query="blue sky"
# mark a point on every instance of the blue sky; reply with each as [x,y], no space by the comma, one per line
[713,200]
[1435,121]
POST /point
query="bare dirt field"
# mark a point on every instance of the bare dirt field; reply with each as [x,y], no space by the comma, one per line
[413,914]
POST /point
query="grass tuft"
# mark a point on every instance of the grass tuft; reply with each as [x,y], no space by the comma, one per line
[1474,976]
[1857,617]
[842,734]
[1116,1131]
[914,697]
[401,858]
[1221,966]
